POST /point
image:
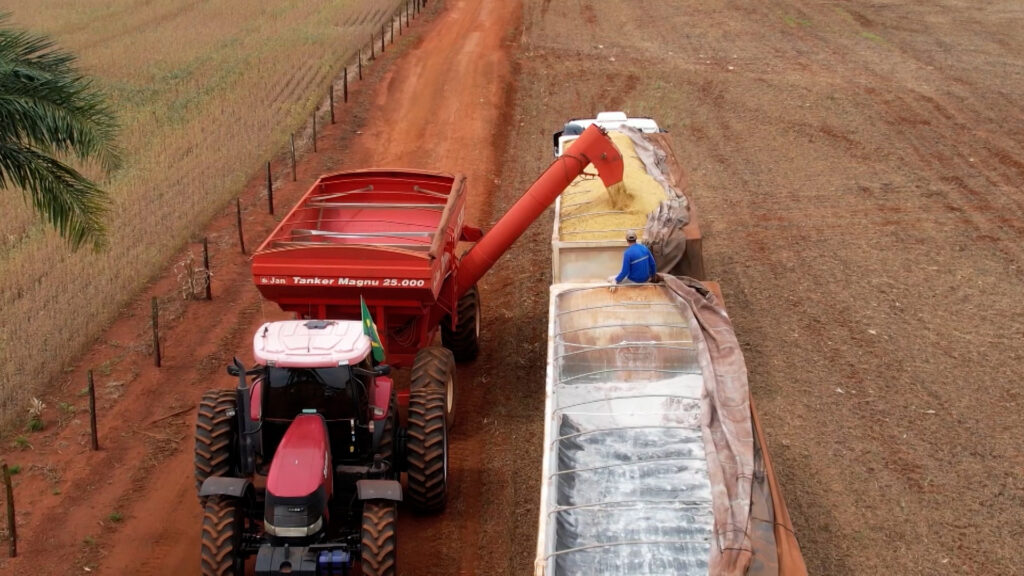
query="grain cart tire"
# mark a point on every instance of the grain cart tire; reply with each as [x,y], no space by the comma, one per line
[378,547]
[426,450]
[434,367]
[464,340]
[221,541]
[216,437]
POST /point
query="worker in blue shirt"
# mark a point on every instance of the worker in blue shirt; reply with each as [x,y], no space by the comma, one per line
[637,263]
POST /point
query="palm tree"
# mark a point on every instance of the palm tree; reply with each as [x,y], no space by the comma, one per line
[50,113]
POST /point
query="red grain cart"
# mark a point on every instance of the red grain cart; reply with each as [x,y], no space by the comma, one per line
[387,236]
[300,466]
[392,238]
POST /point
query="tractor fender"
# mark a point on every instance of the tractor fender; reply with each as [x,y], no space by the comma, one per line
[379,490]
[225,486]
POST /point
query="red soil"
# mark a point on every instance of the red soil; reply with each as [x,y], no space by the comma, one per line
[131,507]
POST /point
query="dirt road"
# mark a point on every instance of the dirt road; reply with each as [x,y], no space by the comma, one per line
[131,508]
[858,171]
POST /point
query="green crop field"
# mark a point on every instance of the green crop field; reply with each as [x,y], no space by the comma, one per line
[206,92]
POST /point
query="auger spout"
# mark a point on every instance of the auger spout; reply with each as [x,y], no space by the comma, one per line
[595,147]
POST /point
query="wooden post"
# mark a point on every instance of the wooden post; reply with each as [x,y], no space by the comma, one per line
[392,30]
[314,130]
[12,528]
[407,13]
[206,255]
[238,213]
[382,38]
[293,156]
[360,61]
[330,94]
[270,192]
[156,332]
[344,86]
[373,48]
[399,21]
[92,414]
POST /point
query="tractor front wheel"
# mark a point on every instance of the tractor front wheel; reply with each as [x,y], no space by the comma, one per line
[378,547]
[221,551]
[464,339]
[434,367]
[216,437]
[426,450]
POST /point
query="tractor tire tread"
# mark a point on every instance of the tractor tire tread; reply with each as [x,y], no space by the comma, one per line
[432,368]
[220,537]
[214,437]
[426,446]
[378,547]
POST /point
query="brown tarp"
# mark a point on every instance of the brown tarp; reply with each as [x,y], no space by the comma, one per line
[753,532]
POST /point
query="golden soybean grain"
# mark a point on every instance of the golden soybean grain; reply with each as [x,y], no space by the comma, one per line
[587,212]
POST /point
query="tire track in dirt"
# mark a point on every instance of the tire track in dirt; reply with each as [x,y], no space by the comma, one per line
[449,93]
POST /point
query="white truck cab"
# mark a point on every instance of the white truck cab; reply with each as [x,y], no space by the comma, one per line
[607,120]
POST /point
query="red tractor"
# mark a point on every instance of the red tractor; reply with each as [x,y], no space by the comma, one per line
[300,467]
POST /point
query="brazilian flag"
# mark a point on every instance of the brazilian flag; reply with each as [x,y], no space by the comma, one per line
[370,329]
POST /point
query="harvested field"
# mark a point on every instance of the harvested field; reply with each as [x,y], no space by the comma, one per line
[857,169]
[207,93]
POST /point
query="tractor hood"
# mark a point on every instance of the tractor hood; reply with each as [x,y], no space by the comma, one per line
[300,480]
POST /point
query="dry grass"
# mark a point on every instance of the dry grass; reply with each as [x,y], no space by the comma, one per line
[205,92]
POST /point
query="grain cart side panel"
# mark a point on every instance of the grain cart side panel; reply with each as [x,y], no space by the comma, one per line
[387,237]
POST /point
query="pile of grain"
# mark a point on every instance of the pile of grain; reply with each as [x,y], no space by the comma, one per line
[587,213]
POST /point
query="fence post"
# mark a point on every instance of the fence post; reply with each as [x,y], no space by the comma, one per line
[359,58]
[293,156]
[92,413]
[314,130]
[331,95]
[344,86]
[392,30]
[12,528]
[399,21]
[381,37]
[270,192]
[238,221]
[373,48]
[206,257]
[156,332]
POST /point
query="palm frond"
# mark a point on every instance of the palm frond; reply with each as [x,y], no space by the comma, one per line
[48,111]
[71,203]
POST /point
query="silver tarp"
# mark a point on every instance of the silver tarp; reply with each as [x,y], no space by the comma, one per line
[626,488]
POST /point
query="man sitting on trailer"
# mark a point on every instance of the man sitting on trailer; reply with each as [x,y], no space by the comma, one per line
[637,263]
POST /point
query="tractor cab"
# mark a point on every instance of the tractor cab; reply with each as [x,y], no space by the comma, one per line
[314,367]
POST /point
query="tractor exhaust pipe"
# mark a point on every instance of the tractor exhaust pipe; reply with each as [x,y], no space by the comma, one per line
[595,147]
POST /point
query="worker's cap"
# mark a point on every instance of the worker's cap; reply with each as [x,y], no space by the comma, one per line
[631,236]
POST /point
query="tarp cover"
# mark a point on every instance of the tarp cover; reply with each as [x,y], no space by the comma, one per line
[663,233]
[754,535]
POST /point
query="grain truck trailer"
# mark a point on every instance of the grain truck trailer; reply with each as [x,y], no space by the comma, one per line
[654,459]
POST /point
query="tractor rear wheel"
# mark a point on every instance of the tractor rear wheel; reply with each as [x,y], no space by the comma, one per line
[216,437]
[221,541]
[434,367]
[426,450]
[464,340]
[378,547]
